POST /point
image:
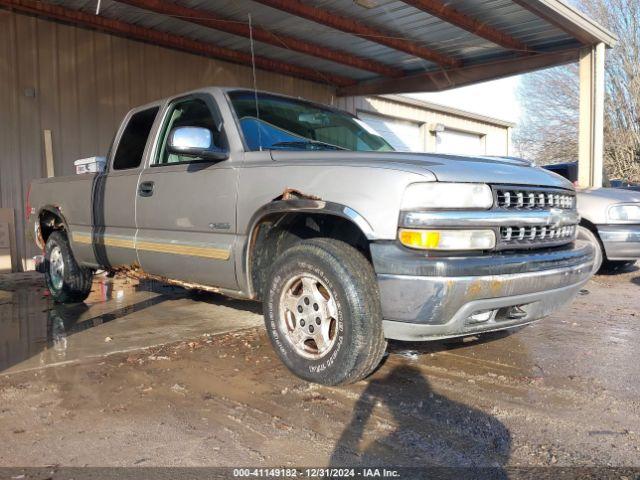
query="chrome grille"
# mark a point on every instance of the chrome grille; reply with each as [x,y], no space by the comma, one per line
[537,236]
[522,202]
[527,198]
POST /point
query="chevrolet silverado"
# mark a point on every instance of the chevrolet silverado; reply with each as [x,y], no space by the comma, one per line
[308,210]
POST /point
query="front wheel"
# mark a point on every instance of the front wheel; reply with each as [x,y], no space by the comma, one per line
[322,312]
[67,281]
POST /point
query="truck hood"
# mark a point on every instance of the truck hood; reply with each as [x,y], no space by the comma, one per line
[445,168]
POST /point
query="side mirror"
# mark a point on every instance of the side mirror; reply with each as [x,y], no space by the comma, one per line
[194,142]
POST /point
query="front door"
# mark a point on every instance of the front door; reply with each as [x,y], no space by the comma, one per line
[186,206]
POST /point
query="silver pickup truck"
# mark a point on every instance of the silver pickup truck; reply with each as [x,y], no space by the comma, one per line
[307,209]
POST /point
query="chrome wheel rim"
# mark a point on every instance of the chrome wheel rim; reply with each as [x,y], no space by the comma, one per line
[308,316]
[56,268]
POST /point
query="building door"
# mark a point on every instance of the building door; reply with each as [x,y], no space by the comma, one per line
[402,135]
[456,142]
[186,212]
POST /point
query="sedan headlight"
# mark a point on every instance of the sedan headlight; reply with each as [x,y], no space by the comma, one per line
[447,239]
[439,195]
[624,213]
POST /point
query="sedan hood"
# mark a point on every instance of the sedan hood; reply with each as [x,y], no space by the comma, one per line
[594,203]
[611,195]
[445,168]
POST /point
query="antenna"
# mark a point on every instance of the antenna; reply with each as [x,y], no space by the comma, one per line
[255,82]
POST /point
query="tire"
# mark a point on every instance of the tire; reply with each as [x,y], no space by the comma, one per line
[585,234]
[343,312]
[617,265]
[67,281]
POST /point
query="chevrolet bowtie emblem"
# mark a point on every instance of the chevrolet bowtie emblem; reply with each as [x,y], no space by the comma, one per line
[555,217]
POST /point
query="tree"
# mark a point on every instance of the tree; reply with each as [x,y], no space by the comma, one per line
[549,128]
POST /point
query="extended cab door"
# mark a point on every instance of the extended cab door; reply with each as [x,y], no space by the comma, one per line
[186,205]
[112,236]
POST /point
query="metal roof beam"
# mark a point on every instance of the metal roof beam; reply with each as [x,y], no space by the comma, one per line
[355,27]
[450,15]
[216,22]
[570,20]
[177,42]
[438,80]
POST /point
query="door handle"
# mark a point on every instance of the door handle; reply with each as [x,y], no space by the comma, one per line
[145,189]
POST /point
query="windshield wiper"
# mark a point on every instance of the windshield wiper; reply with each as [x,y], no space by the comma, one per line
[308,143]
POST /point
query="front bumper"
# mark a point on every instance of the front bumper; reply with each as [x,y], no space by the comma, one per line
[621,242]
[425,298]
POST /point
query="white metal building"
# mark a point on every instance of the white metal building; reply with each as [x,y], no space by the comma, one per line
[411,125]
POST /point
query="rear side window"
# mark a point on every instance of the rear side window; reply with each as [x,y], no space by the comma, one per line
[134,139]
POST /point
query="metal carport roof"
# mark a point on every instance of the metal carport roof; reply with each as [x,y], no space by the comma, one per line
[360,46]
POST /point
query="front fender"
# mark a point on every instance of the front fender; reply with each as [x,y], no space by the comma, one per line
[298,205]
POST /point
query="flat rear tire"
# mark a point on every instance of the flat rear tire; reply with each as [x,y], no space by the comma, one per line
[67,281]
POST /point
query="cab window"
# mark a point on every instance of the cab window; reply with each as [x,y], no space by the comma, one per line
[134,139]
[192,112]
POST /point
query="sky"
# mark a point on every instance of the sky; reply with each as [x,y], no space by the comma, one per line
[495,99]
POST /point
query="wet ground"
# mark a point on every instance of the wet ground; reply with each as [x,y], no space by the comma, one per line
[146,374]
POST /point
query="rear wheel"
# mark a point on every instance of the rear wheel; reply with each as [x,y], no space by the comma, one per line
[67,281]
[322,312]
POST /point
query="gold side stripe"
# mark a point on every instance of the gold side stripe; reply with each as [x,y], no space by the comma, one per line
[206,252]
[81,237]
[172,248]
[108,241]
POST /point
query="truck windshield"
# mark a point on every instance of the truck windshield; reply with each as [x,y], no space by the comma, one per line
[281,123]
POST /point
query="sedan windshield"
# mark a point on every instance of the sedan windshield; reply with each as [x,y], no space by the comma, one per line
[280,123]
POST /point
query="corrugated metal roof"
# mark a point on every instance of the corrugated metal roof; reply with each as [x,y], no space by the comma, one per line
[536,28]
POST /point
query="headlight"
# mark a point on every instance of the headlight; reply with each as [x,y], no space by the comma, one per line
[437,195]
[624,213]
[448,239]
